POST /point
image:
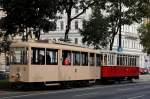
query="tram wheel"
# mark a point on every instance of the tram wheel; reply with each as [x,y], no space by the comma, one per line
[67,85]
[17,86]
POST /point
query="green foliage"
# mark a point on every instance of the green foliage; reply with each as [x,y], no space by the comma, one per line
[95,31]
[5,46]
[118,13]
[24,14]
[68,5]
[4,84]
[144,32]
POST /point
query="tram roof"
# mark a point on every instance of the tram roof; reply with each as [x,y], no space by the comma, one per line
[45,43]
[65,46]
[116,52]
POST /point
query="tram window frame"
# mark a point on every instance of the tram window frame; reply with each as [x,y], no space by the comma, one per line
[118,59]
[76,58]
[130,61]
[136,60]
[22,59]
[37,56]
[133,61]
[121,60]
[125,60]
[92,59]
[113,59]
[104,59]
[84,58]
[51,56]
[66,57]
[99,60]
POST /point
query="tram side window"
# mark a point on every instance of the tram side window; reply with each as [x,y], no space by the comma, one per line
[38,56]
[104,59]
[132,61]
[76,58]
[66,55]
[92,60]
[84,59]
[118,59]
[98,59]
[19,56]
[51,57]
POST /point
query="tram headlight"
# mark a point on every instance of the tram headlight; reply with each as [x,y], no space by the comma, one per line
[17,75]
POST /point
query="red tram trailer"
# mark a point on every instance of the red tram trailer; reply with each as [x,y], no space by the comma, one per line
[117,66]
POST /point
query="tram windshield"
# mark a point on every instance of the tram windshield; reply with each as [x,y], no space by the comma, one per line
[19,55]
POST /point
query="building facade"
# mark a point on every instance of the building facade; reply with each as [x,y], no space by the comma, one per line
[130,37]
[2,55]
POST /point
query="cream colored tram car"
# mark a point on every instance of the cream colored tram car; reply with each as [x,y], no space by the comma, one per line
[34,62]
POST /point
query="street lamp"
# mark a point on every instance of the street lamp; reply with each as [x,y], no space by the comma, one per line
[120,36]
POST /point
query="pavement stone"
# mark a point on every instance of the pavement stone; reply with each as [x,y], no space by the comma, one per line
[145,77]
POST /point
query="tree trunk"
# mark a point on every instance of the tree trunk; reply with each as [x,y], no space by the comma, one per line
[68,25]
[112,41]
[38,36]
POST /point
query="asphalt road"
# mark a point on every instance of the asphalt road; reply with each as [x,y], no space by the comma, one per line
[137,90]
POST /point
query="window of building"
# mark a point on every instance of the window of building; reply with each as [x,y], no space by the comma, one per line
[76,11]
[51,57]
[66,56]
[62,25]
[38,56]
[62,12]
[122,43]
[1,3]
[76,40]
[76,58]
[76,25]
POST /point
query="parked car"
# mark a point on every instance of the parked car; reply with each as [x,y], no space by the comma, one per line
[144,71]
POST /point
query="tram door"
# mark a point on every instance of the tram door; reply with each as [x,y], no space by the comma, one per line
[66,70]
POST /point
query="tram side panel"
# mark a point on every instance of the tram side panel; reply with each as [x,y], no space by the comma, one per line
[19,73]
[71,73]
[119,72]
[39,73]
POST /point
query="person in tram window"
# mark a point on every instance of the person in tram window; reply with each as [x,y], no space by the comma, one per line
[41,59]
[48,59]
[67,60]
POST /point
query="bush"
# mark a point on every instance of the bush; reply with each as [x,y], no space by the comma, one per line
[4,84]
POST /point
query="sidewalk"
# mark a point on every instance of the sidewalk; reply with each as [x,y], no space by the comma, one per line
[145,77]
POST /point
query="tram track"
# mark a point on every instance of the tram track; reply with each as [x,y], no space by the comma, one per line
[9,94]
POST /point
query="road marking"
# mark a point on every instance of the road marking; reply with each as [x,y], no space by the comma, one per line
[136,97]
[69,90]
[125,89]
[86,94]
[133,88]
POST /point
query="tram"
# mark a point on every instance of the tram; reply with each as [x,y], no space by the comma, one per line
[119,66]
[67,64]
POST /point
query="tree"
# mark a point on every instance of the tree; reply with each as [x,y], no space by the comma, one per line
[68,5]
[95,30]
[24,15]
[119,13]
[144,32]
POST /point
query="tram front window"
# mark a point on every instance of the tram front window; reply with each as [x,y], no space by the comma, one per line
[19,55]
